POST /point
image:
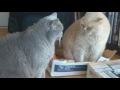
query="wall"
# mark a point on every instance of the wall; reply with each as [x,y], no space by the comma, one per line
[4,19]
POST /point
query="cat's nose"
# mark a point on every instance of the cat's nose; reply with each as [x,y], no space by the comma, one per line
[84,28]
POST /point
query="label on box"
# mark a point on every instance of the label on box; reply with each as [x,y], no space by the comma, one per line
[70,68]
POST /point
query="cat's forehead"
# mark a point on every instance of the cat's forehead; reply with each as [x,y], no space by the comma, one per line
[86,20]
[86,23]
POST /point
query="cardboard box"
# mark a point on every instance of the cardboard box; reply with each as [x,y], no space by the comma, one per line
[108,69]
[61,67]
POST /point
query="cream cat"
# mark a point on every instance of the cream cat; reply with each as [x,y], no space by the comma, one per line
[85,40]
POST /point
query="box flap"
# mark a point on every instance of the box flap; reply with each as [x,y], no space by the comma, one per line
[109,53]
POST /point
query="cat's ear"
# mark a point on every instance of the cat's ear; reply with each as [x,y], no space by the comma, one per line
[56,25]
[53,16]
[53,23]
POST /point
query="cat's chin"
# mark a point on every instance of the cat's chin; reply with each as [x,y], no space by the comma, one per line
[60,36]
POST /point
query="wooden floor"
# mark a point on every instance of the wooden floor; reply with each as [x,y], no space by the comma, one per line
[4,31]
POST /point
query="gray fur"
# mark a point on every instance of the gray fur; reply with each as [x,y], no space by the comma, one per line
[26,54]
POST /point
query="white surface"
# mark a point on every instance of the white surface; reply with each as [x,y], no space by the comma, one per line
[102,59]
[4,19]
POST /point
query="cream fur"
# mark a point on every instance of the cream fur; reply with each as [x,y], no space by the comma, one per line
[85,40]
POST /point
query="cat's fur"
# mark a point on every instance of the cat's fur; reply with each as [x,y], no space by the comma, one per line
[85,40]
[26,54]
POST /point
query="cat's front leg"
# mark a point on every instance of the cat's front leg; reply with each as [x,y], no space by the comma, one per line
[95,53]
[43,74]
[78,55]
[94,57]
[67,54]
[39,74]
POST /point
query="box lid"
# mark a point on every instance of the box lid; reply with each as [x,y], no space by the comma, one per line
[109,53]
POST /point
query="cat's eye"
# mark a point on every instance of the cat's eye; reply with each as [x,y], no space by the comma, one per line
[82,25]
[89,28]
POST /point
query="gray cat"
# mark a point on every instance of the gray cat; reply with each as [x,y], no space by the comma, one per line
[26,54]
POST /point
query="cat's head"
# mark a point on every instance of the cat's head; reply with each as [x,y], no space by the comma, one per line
[55,23]
[92,22]
[51,24]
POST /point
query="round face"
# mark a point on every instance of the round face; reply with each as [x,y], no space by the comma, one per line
[90,26]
